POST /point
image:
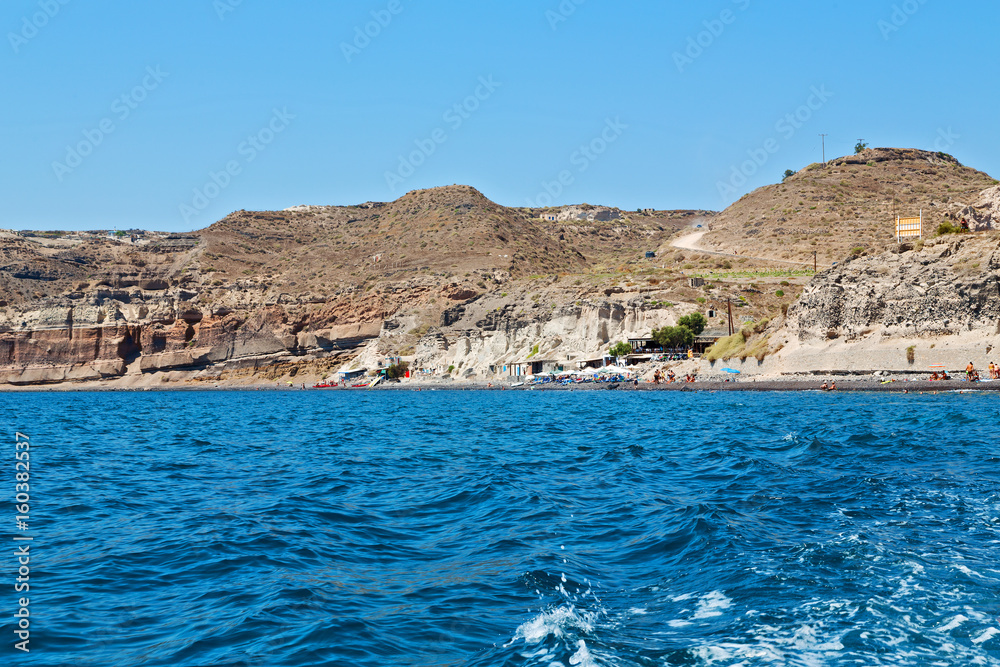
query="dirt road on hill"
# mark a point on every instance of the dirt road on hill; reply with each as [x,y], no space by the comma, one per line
[690,242]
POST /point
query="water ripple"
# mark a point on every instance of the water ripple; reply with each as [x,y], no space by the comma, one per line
[503,528]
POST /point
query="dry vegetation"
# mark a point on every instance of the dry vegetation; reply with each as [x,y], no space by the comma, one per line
[848,206]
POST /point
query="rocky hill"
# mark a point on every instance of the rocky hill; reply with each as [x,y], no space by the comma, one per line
[848,205]
[454,282]
[266,292]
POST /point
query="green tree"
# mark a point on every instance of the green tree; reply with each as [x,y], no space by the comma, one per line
[396,371]
[622,349]
[860,146]
[788,173]
[696,322]
[679,336]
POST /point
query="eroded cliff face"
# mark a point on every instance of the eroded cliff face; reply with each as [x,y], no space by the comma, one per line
[108,333]
[901,310]
[478,338]
[950,286]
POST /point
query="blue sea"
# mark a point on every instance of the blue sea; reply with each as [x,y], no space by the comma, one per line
[450,528]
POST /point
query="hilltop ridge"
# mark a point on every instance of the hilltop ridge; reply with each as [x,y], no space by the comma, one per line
[849,203]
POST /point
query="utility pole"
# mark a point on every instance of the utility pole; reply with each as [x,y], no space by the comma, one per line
[814,261]
[824,147]
[729,303]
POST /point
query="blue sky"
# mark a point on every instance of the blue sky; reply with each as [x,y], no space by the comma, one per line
[169,115]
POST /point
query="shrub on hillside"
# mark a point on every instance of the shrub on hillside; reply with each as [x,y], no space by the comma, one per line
[726,348]
[396,371]
[949,228]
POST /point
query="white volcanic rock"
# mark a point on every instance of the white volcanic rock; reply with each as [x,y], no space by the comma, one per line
[984,213]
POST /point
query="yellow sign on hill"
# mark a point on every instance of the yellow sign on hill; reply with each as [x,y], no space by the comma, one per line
[907,228]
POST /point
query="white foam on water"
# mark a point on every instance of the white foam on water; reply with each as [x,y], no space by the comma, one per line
[986,636]
[712,605]
[582,656]
[555,622]
[678,623]
[712,654]
[953,623]
[967,572]
[556,633]
[638,611]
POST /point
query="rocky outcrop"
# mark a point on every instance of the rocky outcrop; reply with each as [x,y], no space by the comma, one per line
[897,311]
[949,286]
[111,333]
[984,213]
[480,337]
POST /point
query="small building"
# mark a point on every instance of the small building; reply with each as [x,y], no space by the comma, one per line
[525,368]
[707,339]
[645,345]
[696,282]
[650,254]
[549,217]
[351,375]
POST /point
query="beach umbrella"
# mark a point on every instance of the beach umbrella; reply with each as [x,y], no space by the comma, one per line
[936,366]
[730,370]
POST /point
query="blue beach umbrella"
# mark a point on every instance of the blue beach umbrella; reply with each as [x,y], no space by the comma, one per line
[730,370]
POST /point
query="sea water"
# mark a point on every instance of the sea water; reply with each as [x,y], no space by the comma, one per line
[457,528]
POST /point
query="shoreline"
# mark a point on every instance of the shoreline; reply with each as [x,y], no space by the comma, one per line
[802,385]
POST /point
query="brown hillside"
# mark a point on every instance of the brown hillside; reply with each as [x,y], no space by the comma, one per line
[450,230]
[619,241]
[848,204]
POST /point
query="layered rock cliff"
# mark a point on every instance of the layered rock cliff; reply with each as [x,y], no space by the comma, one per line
[262,289]
[934,303]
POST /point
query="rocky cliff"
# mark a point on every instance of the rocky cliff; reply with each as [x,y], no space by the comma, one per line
[934,303]
[260,290]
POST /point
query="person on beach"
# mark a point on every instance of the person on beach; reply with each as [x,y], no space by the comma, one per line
[824,386]
[934,376]
[670,376]
[833,386]
[969,371]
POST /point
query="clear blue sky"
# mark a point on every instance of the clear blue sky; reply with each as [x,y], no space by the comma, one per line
[270,90]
